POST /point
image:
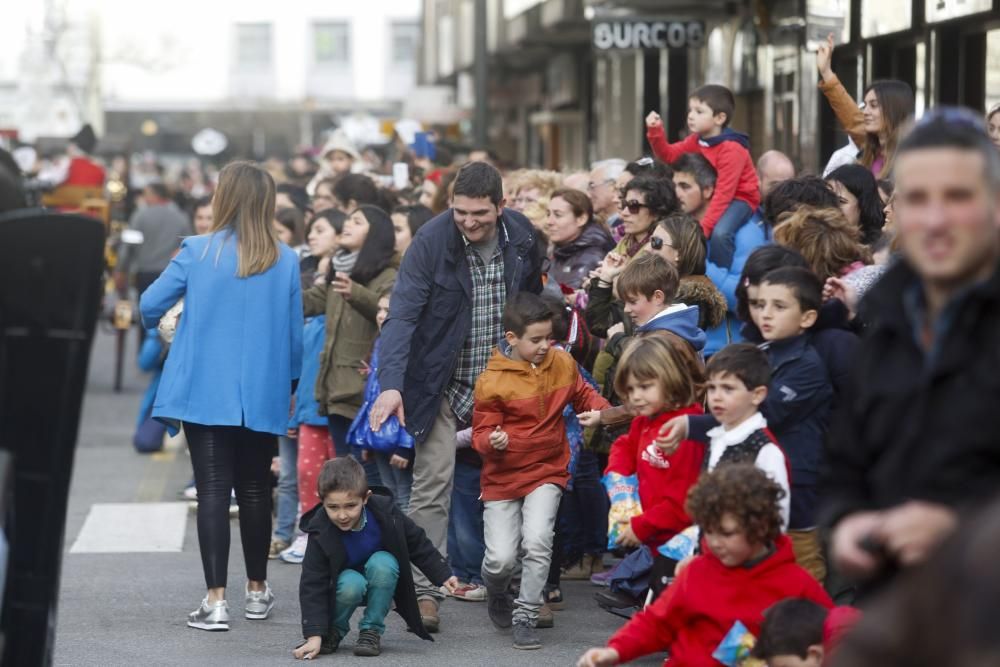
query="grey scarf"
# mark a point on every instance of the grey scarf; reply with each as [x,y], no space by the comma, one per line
[344,261]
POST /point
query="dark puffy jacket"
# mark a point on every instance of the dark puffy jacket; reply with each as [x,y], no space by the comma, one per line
[572,262]
[918,426]
[431,313]
[326,558]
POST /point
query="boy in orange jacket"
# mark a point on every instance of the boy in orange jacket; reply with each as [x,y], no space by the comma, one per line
[518,428]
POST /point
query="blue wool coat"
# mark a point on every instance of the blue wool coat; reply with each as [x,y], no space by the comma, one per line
[238,345]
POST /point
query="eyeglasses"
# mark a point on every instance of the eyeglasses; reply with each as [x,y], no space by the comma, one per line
[656,243]
[593,186]
[633,206]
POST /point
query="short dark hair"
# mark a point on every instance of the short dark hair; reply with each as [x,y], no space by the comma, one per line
[522,310]
[479,179]
[647,273]
[358,187]
[343,474]
[790,627]
[560,316]
[718,98]
[701,169]
[762,261]
[159,188]
[745,361]
[958,128]
[743,490]
[661,199]
[859,181]
[201,202]
[788,195]
[297,193]
[416,215]
[803,283]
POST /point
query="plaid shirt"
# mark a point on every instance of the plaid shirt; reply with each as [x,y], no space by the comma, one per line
[489,294]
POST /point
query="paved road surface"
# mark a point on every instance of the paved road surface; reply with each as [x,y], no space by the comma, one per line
[130,607]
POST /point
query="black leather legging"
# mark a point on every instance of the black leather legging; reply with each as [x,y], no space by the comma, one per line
[227,458]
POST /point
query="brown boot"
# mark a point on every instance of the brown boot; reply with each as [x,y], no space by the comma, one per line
[429,615]
[546,619]
[580,571]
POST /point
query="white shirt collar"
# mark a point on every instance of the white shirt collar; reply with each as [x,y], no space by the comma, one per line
[721,437]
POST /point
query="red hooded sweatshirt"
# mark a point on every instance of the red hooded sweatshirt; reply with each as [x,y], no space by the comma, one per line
[664,481]
[700,607]
[729,153]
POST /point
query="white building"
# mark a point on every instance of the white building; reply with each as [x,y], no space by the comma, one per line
[301,57]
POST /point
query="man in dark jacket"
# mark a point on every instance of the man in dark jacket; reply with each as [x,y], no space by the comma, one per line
[443,323]
[915,445]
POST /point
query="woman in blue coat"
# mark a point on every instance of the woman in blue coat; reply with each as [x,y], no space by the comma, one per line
[230,374]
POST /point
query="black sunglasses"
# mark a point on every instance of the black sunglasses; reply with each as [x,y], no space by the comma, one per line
[633,206]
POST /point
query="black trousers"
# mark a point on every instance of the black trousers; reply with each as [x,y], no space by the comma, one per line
[226,458]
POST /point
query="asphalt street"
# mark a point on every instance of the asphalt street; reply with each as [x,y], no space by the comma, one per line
[130,607]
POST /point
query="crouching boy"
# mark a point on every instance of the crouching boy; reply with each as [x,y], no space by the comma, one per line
[747,567]
[359,553]
[518,428]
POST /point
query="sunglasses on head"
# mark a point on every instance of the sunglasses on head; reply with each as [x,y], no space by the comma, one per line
[633,206]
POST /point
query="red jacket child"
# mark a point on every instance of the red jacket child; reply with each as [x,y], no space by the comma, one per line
[729,154]
[664,481]
[527,402]
[700,607]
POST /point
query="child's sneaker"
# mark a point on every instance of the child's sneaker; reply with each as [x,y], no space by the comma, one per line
[259,603]
[470,592]
[297,552]
[368,644]
[207,616]
[525,636]
[500,607]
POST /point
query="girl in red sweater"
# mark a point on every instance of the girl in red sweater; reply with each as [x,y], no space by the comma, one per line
[659,377]
[747,567]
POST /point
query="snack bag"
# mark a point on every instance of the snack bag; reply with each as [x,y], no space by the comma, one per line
[734,649]
[623,492]
[681,545]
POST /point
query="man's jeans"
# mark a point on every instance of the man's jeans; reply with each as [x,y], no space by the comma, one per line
[288,489]
[524,525]
[374,589]
[466,545]
[397,480]
[430,498]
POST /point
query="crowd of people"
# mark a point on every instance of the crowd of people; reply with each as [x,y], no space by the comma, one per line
[738,399]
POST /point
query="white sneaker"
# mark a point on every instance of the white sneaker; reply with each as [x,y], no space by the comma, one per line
[213,616]
[297,552]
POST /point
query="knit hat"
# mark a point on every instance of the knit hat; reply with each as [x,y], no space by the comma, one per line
[338,141]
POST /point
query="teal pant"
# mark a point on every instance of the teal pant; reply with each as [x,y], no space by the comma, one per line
[374,589]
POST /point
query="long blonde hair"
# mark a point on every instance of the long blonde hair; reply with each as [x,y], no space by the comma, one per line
[244,205]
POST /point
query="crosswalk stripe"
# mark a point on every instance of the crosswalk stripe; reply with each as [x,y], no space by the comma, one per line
[132,528]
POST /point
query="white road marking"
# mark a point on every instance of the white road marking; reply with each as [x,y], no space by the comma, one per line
[132,528]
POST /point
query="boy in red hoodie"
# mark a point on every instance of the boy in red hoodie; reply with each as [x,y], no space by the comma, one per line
[737,190]
[518,428]
[747,567]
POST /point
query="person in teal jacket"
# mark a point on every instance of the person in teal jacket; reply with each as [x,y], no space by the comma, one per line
[230,374]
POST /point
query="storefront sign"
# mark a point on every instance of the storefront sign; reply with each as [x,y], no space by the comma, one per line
[637,33]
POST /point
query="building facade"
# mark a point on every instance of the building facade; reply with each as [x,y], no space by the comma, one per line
[570,81]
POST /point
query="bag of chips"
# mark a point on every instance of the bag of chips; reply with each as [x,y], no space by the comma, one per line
[734,649]
[623,492]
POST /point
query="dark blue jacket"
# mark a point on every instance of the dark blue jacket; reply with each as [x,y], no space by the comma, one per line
[431,312]
[797,409]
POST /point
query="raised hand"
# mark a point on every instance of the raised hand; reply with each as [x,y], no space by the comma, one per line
[824,56]
[653,120]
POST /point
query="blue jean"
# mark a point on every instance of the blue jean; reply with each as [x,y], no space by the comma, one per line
[288,489]
[339,426]
[722,245]
[466,543]
[374,589]
[399,481]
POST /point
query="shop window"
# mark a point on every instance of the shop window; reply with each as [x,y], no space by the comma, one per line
[253,44]
[882,17]
[332,43]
